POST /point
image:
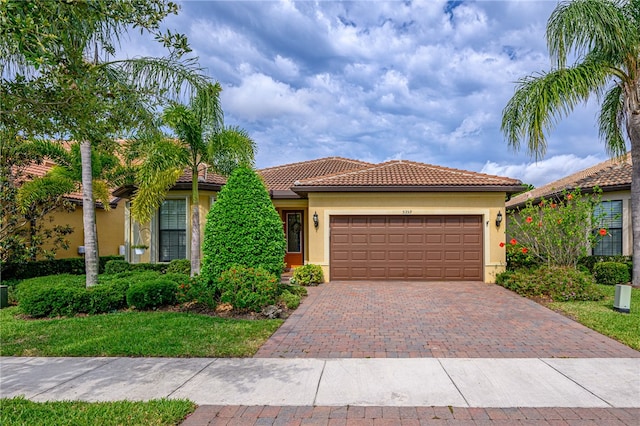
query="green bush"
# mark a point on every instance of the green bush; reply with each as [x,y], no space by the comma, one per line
[247,288]
[611,273]
[50,301]
[590,261]
[559,283]
[152,294]
[290,300]
[105,298]
[180,266]
[294,289]
[43,268]
[243,228]
[307,275]
[196,290]
[118,266]
[517,258]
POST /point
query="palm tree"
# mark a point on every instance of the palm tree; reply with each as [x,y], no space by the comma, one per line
[201,140]
[79,96]
[605,37]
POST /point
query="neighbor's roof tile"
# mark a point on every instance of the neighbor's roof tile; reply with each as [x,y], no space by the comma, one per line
[408,173]
[282,178]
[615,172]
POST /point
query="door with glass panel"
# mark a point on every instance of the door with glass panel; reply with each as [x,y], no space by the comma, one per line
[294,234]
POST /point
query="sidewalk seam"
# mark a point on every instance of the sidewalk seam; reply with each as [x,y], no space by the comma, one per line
[192,377]
[112,360]
[315,397]
[580,385]
[454,383]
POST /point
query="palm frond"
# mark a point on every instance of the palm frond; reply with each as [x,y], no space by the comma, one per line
[540,101]
[611,121]
[163,162]
[101,193]
[230,148]
[178,79]
[42,190]
[580,26]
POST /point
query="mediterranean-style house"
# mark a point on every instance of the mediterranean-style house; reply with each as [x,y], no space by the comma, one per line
[399,220]
[613,177]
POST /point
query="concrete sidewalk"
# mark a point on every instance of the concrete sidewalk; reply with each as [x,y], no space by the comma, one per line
[458,382]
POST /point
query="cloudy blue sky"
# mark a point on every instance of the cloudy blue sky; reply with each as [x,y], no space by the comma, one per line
[381,80]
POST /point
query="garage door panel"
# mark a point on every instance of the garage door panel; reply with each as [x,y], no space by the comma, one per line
[406,247]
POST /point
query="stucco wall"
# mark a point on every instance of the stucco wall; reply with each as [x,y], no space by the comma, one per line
[395,203]
[110,225]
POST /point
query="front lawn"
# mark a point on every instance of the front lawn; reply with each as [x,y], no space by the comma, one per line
[131,333]
[600,316]
[19,411]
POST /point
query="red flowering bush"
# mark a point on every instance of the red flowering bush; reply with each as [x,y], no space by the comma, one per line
[557,233]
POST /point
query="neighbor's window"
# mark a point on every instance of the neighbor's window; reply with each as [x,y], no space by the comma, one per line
[172,230]
[610,214]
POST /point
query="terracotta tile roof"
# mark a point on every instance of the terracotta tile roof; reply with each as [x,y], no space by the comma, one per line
[611,174]
[402,173]
[282,178]
[204,176]
[38,170]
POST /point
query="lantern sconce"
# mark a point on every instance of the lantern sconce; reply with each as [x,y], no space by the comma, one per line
[316,221]
[499,219]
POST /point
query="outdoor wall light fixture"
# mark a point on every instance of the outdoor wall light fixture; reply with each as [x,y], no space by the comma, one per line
[499,219]
[316,221]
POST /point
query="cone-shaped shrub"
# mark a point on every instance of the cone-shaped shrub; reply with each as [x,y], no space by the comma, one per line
[243,228]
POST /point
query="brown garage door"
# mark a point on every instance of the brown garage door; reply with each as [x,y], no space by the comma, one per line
[406,248]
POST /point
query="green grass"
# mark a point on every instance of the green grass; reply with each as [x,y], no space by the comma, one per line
[601,317]
[19,411]
[154,334]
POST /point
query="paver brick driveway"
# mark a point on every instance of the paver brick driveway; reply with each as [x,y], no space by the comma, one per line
[434,319]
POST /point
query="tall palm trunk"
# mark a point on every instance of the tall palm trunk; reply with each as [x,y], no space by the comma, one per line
[633,130]
[89,216]
[195,223]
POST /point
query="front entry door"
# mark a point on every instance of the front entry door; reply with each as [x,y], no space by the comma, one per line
[293,230]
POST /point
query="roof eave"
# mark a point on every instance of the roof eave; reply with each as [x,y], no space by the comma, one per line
[556,194]
[509,189]
[278,194]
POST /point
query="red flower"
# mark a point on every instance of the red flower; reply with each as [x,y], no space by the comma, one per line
[553,205]
[539,223]
[570,197]
[513,242]
[603,232]
[501,244]
[541,203]
[529,219]
[525,250]
[559,221]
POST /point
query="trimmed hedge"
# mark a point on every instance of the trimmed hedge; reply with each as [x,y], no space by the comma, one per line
[307,275]
[43,268]
[590,261]
[559,283]
[180,266]
[243,228]
[152,294]
[117,266]
[611,273]
[66,295]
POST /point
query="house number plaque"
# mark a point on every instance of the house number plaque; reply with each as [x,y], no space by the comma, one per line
[407,211]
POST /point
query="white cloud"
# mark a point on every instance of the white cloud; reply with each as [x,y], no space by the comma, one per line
[544,171]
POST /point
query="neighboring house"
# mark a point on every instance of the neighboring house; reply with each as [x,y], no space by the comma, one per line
[398,220]
[109,223]
[613,177]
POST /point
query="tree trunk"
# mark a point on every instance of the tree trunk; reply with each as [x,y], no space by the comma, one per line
[89,216]
[195,224]
[633,130]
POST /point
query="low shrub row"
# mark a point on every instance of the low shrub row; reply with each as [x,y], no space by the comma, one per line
[307,275]
[558,283]
[41,268]
[65,295]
